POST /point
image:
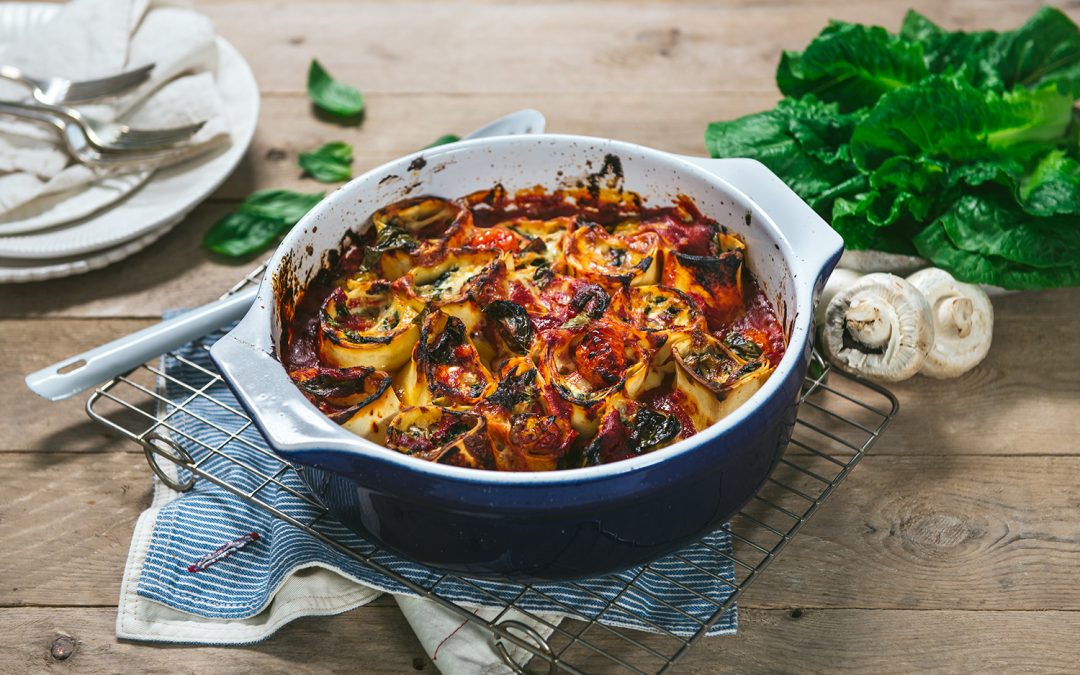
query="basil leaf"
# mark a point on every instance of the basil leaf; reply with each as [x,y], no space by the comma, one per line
[285,206]
[330,163]
[259,220]
[330,95]
[443,140]
[238,234]
[851,65]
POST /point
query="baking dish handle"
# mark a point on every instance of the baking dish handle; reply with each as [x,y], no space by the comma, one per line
[815,245]
[291,425]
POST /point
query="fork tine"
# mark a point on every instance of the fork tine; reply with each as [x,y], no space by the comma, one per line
[91,89]
[148,138]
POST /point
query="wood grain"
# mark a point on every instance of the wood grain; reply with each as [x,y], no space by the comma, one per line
[953,548]
[769,641]
[936,533]
[376,636]
[659,48]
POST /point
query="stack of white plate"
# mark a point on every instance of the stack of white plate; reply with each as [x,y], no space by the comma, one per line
[91,227]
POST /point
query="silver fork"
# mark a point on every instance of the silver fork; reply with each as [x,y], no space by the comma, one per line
[57,90]
[109,155]
[103,136]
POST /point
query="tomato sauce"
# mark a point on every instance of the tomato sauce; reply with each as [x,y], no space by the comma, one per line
[566,314]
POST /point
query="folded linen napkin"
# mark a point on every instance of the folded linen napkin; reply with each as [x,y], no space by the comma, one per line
[257,585]
[89,39]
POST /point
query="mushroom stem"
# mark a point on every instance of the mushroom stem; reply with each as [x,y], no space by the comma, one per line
[963,323]
[866,323]
[955,314]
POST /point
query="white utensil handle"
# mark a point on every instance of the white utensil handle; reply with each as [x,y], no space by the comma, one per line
[79,373]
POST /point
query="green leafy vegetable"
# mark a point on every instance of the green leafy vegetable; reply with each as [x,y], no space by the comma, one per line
[1044,50]
[934,244]
[960,147]
[802,140]
[947,52]
[990,225]
[443,140]
[1052,187]
[332,96]
[331,163]
[263,217]
[949,119]
[851,65]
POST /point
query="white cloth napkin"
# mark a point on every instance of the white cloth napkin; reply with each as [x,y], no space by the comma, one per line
[96,38]
[455,646]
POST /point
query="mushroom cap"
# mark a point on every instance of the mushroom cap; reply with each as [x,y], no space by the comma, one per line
[880,327]
[963,323]
[839,281]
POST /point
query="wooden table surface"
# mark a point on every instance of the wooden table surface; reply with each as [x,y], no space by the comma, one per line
[954,547]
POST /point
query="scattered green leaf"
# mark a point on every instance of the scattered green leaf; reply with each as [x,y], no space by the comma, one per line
[263,217]
[331,163]
[443,140]
[332,96]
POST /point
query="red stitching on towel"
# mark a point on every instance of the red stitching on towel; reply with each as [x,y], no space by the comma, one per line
[435,655]
[222,552]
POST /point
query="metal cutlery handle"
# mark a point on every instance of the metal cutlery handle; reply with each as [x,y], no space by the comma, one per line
[32,111]
[69,377]
[79,373]
[16,75]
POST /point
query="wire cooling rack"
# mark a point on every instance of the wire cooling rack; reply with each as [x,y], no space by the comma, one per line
[840,418]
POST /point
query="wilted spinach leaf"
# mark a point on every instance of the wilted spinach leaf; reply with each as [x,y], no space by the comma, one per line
[390,238]
[651,428]
[515,389]
[513,323]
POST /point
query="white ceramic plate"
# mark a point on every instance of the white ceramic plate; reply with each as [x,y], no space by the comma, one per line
[151,209]
[64,207]
[19,271]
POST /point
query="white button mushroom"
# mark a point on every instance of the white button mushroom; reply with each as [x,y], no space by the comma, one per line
[963,323]
[839,281]
[880,327]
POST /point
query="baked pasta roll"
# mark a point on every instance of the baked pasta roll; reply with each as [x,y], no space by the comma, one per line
[368,325]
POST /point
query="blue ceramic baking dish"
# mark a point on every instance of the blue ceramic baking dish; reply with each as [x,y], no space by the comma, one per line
[541,525]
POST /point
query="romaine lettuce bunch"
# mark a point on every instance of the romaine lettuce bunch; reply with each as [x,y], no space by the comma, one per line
[959,147]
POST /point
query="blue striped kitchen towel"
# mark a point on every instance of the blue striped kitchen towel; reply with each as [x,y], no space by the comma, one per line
[240,580]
